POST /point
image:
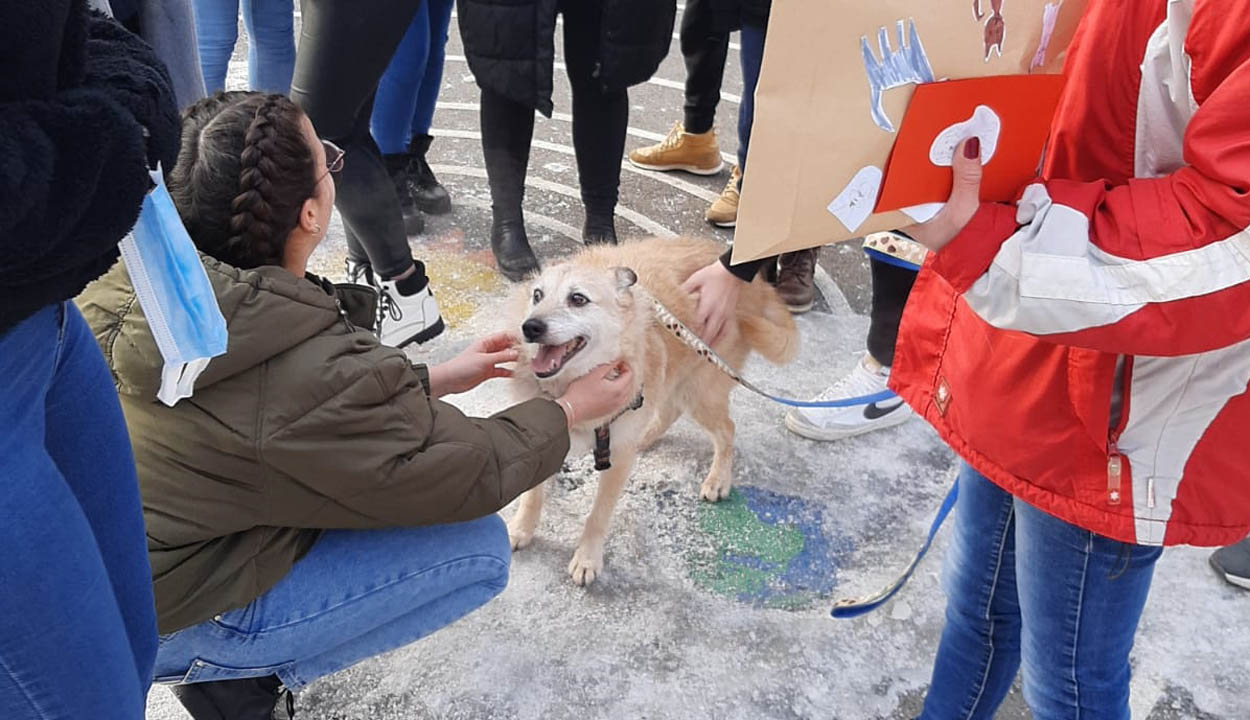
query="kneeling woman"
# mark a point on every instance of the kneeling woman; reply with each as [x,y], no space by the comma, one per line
[293,503]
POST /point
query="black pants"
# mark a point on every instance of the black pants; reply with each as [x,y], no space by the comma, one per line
[344,47]
[599,122]
[704,47]
[891,285]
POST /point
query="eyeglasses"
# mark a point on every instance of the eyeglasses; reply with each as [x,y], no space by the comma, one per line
[334,158]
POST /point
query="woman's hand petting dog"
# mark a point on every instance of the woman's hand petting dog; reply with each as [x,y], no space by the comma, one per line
[717,290]
[598,394]
[478,363]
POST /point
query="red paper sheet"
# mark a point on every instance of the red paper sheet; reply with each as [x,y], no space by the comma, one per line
[1024,104]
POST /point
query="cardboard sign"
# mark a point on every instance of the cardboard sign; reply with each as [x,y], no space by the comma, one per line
[836,80]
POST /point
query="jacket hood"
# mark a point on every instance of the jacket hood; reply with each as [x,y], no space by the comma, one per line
[268,311]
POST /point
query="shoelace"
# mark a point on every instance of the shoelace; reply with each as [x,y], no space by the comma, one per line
[387,307]
[674,137]
[857,383]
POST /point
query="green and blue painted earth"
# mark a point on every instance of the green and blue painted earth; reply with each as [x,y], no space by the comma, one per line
[766,549]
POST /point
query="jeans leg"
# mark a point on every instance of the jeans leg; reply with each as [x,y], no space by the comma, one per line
[391,122]
[68,649]
[432,83]
[752,58]
[704,48]
[216,31]
[979,651]
[344,49]
[1081,596]
[270,28]
[600,119]
[356,594]
[891,286]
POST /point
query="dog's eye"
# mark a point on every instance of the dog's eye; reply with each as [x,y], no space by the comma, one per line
[578,300]
[538,295]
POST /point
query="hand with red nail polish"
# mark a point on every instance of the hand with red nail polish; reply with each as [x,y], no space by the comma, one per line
[964,201]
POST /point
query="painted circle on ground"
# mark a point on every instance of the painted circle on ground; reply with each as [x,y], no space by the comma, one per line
[766,549]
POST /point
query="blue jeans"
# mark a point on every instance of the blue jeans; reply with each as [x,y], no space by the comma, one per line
[409,87]
[356,594]
[77,621]
[1026,588]
[752,42]
[270,42]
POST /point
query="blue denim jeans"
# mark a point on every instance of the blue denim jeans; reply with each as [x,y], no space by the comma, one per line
[77,622]
[752,54]
[356,594]
[409,88]
[270,28]
[1027,589]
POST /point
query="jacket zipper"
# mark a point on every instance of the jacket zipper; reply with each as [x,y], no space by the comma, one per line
[343,314]
[1115,460]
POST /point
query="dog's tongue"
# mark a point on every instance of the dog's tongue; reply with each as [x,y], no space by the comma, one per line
[548,358]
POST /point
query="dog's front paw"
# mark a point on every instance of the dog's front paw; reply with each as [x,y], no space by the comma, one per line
[519,536]
[715,488]
[587,563]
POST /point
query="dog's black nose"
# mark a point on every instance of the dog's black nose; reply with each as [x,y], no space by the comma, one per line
[533,329]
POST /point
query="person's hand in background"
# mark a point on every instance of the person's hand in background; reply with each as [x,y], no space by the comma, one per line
[964,201]
[475,365]
[717,290]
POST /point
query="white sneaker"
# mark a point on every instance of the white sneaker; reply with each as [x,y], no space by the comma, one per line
[405,319]
[868,377]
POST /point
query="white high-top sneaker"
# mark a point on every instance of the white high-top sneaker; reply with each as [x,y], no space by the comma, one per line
[868,377]
[405,319]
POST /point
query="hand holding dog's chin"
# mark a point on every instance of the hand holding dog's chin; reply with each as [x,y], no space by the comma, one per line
[598,394]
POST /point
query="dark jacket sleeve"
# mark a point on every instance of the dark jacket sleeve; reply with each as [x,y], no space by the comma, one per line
[746,271]
[381,454]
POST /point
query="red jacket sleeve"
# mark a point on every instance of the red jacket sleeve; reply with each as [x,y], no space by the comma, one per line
[1157,266]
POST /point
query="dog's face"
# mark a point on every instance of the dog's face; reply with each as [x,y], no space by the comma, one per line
[576,318]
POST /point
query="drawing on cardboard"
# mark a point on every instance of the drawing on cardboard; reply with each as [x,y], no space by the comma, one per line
[995,27]
[854,204]
[984,123]
[1050,14]
[896,68]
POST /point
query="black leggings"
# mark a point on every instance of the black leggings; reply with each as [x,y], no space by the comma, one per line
[704,47]
[599,122]
[891,285]
[345,46]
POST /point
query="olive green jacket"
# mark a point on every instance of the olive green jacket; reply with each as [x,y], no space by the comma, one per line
[306,423]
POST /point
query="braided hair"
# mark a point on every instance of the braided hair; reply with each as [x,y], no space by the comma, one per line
[243,173]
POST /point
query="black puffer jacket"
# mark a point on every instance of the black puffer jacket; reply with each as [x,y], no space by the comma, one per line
[76,95]
[510,44]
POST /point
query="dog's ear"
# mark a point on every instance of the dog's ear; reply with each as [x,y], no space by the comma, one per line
[625,278]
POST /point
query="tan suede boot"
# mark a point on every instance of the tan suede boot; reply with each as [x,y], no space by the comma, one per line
[698,154]
[724,212]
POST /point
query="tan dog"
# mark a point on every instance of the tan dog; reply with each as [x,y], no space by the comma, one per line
[596,308]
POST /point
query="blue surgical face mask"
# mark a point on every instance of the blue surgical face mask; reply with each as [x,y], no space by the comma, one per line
[174,291]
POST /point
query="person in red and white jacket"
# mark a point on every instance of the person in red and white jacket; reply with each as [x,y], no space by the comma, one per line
[1087,352]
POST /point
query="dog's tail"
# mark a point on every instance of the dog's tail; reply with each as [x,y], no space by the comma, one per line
[766,325]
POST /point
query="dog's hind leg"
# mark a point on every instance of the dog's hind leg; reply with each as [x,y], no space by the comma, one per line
[525,520]
[587,562]
[711,410]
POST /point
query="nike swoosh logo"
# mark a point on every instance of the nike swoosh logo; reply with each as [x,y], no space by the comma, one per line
[873,411]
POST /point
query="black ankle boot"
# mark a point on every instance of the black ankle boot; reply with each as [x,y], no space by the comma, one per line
[599,230]
[512,249]
[397,168]
[261,698]
[428,193]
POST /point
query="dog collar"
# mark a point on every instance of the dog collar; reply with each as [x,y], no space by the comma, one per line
[603,436]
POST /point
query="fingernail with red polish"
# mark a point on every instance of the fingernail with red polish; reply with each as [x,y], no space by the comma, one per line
[972,148]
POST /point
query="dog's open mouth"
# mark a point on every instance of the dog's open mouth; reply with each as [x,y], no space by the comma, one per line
[551,358]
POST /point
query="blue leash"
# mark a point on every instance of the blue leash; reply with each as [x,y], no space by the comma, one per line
[855,607]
